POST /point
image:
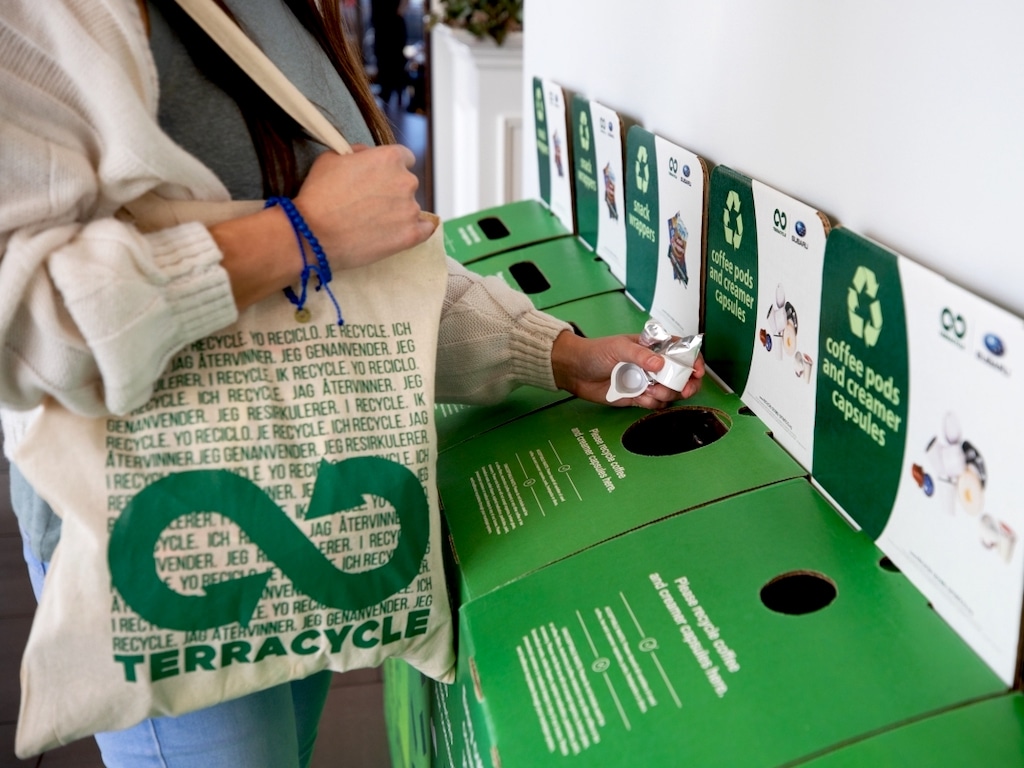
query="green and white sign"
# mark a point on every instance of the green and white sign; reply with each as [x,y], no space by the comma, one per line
[917,438]
[551,121]
[542,140]
[766,267]
[665,196]
[863,377]
[598,174]
[730,293]
[790,253]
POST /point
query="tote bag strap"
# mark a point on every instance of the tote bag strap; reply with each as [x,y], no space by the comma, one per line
[227,34]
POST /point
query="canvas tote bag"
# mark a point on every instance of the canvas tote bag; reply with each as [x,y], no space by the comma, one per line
[271,512]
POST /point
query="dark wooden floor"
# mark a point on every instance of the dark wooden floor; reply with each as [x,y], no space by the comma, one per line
[352,730]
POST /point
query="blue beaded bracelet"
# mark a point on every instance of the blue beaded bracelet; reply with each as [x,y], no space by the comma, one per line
[322,269]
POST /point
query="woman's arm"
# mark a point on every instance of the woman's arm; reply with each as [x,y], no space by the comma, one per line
[91,309]
[361,207]
[492,340]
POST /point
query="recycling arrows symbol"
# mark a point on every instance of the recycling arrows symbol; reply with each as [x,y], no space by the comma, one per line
[733,235]
[339,486]
[584,132]
[865,283]
[643,170]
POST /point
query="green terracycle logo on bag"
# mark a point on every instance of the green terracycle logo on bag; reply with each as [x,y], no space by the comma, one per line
[339,486]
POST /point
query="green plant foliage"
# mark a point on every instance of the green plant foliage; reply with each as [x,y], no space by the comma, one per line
[483,18]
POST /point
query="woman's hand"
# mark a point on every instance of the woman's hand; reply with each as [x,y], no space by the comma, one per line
[584,366]
[361,208]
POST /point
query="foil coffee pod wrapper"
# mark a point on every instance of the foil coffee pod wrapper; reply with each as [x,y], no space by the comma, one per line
[654,335]
[673,375]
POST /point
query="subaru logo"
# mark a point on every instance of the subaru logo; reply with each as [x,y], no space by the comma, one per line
[801,229]
[994,344]
[686,171]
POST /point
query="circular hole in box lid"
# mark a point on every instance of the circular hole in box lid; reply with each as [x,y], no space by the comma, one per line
[798,592]
[675,430]
[528,277]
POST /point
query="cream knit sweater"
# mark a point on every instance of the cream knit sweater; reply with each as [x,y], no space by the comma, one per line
[90,309]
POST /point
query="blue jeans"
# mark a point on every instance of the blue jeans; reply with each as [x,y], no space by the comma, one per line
[275,728]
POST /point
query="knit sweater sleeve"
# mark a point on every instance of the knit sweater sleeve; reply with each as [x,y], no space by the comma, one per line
[491,340]
[91,310]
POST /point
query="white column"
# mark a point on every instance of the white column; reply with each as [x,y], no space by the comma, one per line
[476,109]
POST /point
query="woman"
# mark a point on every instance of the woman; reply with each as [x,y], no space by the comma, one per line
[104,100]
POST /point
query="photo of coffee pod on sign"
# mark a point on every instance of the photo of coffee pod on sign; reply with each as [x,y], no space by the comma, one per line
[677,238]
[779,337]
[952,473]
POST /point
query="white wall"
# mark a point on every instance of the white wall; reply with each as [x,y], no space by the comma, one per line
[903,120]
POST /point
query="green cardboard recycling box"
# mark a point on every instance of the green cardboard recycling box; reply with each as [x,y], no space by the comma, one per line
[666,188]
[597,178]
[457,423]
[918,434]
[458,722]
[407,695]
[566,269]
[551,273]
[987,733]
[601,315]
[605,314]
[525,222]
[765,257]
[751,632]
[502,228]
[562,479]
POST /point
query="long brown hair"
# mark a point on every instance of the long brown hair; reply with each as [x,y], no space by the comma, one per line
[273,131]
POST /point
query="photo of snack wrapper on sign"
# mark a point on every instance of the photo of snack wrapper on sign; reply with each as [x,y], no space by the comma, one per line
[557,143]
[677,238]
[609,192]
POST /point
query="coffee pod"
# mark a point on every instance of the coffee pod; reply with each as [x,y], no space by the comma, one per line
[802,366]
[1007,541]
[789,339]
[627,380]
[969,491]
